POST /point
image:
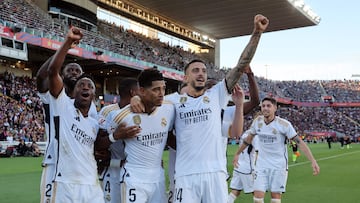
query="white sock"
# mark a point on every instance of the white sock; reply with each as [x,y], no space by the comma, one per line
[231,198]
[275,200]
[258,200]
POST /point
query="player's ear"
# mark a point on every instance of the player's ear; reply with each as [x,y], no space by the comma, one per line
[142,91]
[185,79]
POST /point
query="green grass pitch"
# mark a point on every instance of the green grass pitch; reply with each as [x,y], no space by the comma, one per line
[338,180]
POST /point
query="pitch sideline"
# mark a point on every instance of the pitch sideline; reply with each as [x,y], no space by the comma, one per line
[325,158]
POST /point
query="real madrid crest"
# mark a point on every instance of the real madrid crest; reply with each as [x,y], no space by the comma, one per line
[183,100]
[163,122]
[274,131]
[137,120]
[260,125]
[206,100]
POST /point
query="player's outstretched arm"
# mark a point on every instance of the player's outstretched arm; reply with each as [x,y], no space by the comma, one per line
[246,142]
[56,84]
[233,76]
[305,149]
[42,80]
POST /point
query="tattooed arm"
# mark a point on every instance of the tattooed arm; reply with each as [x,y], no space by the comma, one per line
[233,76]
[56,83]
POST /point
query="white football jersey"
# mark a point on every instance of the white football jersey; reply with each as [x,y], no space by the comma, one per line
[199,143]
[272,142]
[144,152]
[77,135]
[106,117]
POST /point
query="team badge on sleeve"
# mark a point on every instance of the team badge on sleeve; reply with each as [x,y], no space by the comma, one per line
[137,119]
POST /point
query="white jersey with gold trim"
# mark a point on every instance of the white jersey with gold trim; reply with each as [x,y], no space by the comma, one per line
[199,141]
[144,152]
[106,121]
[105,114]
[272,142]
[77,135]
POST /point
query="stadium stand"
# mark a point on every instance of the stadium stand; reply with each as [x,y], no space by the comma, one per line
[316,108]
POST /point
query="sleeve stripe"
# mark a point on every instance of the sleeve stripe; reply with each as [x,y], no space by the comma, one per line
[109,109]
[121,115]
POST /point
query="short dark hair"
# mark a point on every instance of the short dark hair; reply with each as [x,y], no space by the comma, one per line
[270,99]
[126,85]
[146,77]
[191,62]
[71,64]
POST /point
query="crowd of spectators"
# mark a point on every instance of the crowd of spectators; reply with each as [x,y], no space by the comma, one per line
[20,109]
[344,120]
[108,36]
[21,113]
[312,90]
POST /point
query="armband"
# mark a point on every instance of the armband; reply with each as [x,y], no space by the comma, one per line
[111,138]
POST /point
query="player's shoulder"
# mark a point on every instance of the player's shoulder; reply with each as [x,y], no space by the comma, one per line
[122,113]
[44,97]
[167,103]
[282,121]
[259,118]
[167,108]
[107,109]
[173,97]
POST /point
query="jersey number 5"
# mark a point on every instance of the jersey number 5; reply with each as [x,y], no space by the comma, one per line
[132,195]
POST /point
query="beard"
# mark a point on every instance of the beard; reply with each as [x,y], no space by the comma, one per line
[69,83]
[199,88]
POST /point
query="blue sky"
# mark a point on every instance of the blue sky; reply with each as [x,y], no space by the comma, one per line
[330,50]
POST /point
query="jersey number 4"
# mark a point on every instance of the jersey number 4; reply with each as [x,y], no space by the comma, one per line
[178,194]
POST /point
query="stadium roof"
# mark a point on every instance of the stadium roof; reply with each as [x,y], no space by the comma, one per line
[231,18]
